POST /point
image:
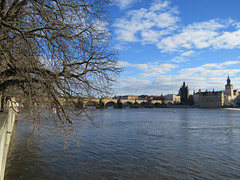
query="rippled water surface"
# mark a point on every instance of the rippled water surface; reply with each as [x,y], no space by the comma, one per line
[134,144]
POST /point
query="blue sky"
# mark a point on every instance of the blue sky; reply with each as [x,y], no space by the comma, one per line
[162,43]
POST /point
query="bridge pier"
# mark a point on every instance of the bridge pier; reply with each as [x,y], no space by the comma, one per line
[100,105]
[118,105]
[80,103]
[135,105]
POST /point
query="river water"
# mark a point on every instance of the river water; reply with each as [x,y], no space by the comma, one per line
[134,144]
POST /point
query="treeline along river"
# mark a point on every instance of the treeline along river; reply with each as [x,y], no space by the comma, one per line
[134,144]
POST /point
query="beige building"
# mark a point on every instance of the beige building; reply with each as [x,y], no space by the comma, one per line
[217,99]
[196,97]
[173,97]
[129,97]
[213,99]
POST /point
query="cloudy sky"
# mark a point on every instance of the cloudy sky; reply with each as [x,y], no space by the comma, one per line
[162,43]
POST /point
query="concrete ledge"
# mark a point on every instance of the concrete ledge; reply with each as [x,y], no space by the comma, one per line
[7,119]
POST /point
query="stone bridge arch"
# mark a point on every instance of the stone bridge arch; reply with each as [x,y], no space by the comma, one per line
[157,103]
[110,104]
[127,104]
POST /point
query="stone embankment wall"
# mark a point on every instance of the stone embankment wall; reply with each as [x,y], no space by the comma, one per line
[7,119]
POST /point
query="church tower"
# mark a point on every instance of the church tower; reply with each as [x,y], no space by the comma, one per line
[229,88]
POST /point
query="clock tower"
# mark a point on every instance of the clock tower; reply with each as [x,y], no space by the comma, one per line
[229,88]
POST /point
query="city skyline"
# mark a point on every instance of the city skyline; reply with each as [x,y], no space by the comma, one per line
[185,84]
[163,43]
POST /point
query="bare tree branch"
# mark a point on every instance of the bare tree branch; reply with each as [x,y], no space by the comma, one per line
[52,51]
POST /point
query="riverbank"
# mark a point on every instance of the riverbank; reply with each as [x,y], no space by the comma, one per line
[7,119]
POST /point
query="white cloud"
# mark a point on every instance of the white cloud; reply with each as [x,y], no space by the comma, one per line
[147,74]
[207,76]
[227,40]
[211,34]
[132,86]
[228,63]
[122,64]
[121,47]
[147,25]
[210,66]
[150,69]
[188,53]
[158,68]
[159,5]
[160,25]
[150,36]
[179,59]
[220,65]
[183,56]
[123,4]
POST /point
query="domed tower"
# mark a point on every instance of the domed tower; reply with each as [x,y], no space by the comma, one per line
[229,88]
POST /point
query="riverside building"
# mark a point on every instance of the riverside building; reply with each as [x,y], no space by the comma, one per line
[217,99]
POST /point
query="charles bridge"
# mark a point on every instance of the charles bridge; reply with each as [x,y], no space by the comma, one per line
[121,103]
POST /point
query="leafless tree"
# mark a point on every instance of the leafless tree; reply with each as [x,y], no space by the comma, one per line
[52,51]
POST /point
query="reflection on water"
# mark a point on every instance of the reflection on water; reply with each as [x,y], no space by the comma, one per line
[135,144]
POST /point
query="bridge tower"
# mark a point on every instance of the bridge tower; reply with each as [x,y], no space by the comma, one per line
[184,93]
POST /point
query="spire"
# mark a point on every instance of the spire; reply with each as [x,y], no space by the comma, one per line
[184,84]
[228,81]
